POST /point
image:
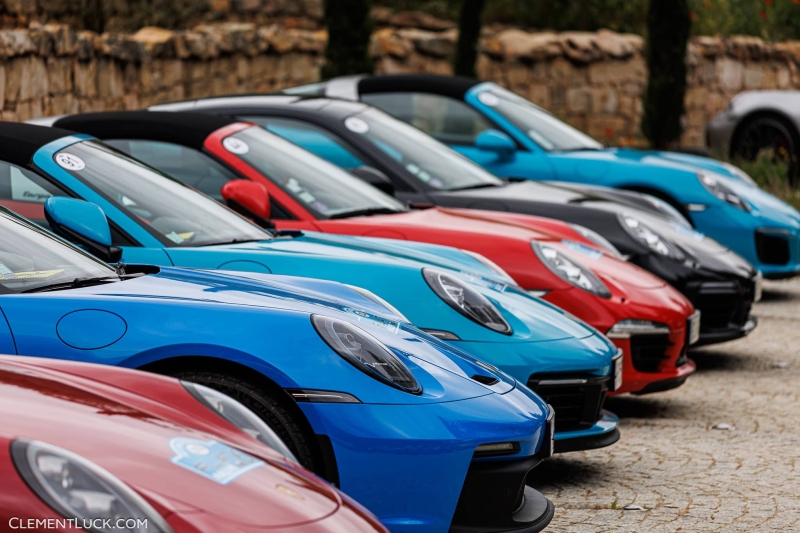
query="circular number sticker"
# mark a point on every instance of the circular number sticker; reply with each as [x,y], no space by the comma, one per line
[235,146]
[356,125]
[69,161]
[489,99]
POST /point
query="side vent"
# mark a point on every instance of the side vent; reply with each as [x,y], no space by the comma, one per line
[486,380]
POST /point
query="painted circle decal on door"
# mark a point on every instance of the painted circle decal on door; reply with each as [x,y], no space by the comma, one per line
[91,329]
[356,125]
[70,162]
[235,146]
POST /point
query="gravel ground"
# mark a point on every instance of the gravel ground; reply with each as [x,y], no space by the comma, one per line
[672,463]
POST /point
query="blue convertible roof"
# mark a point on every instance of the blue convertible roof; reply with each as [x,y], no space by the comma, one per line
[18,142]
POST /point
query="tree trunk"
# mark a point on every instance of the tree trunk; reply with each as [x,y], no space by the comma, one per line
[469,32]
[668,26]
[349,31]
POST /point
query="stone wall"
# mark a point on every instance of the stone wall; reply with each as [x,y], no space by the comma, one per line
[52,69]
[595,81]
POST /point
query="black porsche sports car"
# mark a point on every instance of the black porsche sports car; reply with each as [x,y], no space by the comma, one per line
[421,171]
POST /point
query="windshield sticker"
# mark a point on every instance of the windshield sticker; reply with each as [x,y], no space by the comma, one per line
[212,460]
[33,274]
[356,125]
[235,146]
[583,249]
[68,161]
[174,237]
[696,235]
[489,99]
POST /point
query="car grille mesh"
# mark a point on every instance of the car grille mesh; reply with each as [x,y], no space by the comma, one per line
[576,399]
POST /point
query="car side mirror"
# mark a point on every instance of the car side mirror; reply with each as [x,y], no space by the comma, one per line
[497,142]
[249,199]
[82,223]
[374,177]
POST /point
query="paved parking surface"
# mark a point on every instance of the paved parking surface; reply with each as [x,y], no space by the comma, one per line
[671,462]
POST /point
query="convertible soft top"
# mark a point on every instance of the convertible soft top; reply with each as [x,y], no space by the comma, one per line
[454,86]
[18,142]
[189,129]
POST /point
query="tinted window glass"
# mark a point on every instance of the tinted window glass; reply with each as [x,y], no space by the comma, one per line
[324,189]
[31,257]
[449,120]
[25,192]
[172,212]
[188,165]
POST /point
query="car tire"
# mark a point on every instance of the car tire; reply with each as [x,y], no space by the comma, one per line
[279,413]
[767,131]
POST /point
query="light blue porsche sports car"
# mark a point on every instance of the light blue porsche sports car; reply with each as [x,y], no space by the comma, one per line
[514,138]
[460,298]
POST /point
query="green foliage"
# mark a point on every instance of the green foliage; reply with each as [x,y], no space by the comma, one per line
[469,31]
[771,175]
[668,26]
[349,30]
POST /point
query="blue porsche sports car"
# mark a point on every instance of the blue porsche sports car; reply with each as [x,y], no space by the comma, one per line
[359,396]
[514,138]
[155,220]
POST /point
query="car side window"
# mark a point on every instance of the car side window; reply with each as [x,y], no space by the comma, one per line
[25,192]
[447,119]
[312,138]
[187,165]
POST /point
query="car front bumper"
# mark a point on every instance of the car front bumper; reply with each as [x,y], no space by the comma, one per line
[409,464]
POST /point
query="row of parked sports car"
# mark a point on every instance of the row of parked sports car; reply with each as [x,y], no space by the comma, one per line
[361,302]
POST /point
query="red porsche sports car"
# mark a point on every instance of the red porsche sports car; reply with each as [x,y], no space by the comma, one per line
[98,448]
[570,266]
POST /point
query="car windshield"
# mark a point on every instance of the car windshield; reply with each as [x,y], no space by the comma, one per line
[427,159]
[543,128]
[31,258]
[174,213]
[321,187]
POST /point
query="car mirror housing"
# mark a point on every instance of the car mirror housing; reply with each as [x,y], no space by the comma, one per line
[374,177]
[249,199]
[82,223]
[497,142]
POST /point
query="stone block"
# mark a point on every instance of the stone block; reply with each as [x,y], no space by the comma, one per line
[85,78]
[59,75]
[604,100]
[577,99]
[110,79]
[33,82]
[753,76]
[729,73]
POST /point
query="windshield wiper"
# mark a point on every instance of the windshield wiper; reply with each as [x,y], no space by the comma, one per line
[74,284]
[266,237]
[365,212]
[477,186]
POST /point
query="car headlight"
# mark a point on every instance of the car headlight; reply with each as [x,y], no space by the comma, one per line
[597,239]
[715,186]
[79,489]
[466,300]
[739,173]
[238,415]
[649,238]
[366,353]
[488,263]
[569,270]
[369,295]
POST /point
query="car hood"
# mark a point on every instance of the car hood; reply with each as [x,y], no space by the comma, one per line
[371,249]
[598,163]
[141,442]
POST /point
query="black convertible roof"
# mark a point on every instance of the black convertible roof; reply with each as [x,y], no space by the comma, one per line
[189,129]
[18,142]
[454,86]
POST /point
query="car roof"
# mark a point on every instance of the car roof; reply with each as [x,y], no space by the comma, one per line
[18,142]
[188,129]
[241,104]
[453,86]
